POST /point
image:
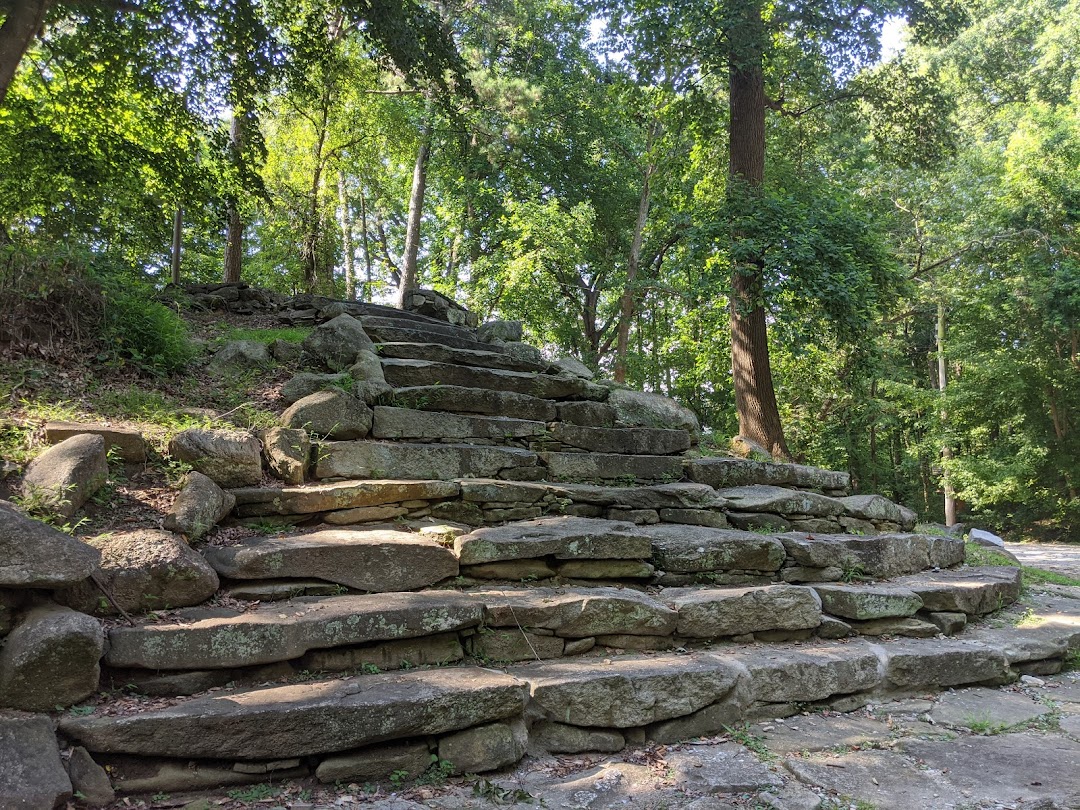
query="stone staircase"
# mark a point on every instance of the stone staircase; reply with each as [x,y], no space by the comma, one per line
[515,559]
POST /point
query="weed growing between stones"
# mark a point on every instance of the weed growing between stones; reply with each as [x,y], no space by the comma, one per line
[984,725]
[752,742]
[254,793]
[437,773]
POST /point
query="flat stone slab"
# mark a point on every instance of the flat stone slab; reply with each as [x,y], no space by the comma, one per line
[809,673]
[313,498]
[371,560]
[865,602]
[781,501]
[411,373]
[942,662]
[31,775]
[701,549]
[308,718]
[35,555]
[578,612]
[437,353]
[627,692]
[986,711]
[876,508]
[813,732]
[610,467]
[365,459]
[716,612]
[459,399]
[128,443]
[385,330]
[406,423]
[883,556]
[880,779]
[722,769]
[678,495]
[564,538]
[969,590]
[723,473]
[627,441]
[280,631]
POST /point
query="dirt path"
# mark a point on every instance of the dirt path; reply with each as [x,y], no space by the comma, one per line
[1058,557]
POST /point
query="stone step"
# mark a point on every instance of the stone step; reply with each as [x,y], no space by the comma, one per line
[414,373]
[439,353]
[974,591]
[409,424]
[562,538]
[222,638]
[622,441]
[305,719]
[607,467]
[724,473]
[457,399]
[373,459]
[828,557]
[310,499]
[385,330]
[367,560]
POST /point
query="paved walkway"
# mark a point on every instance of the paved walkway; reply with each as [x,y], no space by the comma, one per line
[1059,557]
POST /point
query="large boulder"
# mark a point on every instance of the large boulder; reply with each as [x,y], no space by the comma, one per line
[332,414]
[288,453]
[145,569]
[239,356]
[641,409]
[35,555]
[338,342]
[199,506]
[306,383]
[50,659]
[371,383]
[230,458]
[31,775]
[499,331]
[64,477]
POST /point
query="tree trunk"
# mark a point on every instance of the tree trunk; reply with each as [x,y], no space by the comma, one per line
[626,303]
[177,243]
[367,246]
[416,213]
[234,241]
[346,237]
[22,24]
[309,246]
[755,398]
[946,451]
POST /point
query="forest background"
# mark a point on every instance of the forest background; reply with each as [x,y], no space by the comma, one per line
[912,240]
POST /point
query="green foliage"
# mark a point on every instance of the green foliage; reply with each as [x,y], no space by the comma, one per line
[140,330]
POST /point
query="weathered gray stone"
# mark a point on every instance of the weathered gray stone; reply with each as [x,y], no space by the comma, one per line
[280,631]
[364,514]
[309,718]
[571,365]
[485,748]
[715,612]
[154,776]
[513,570]
[31,775]
[693,549]
[587,414]
[504,644]
[35,555]
[678,495]
[973,591]
[493,491]
[285,351]
[368,560]
[622,641]
[756,521]
[457,399]
[198,507]
[230,458]
[695,517]
[722,769]
[565,538]
[641,409]
[632,441]
[238,357]
[609,467]
[411,373]
[558,738]
[410,461]
[947,623]
[909,627]
[306,383]
[443,648]
[275,590]
[288,453]
[578,612]
[864,602]
[809,673]
[314,498]
[778,500]
[377,762]
[493,331]
[832,627]
[626,693]
[64,477]
[368,368]
[89,779]
[437,353]
[331,414]
[941,662]
[127,443]
[50,659]
[723,473]
[815,525]
[879,779]
[144,569]
[337,342]
[873,508]
[799,573]
[605,569]
[884,555]
[405,423]
[988,710]
[715,718]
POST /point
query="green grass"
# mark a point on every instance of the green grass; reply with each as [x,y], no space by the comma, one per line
[975,554]
[290,334]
